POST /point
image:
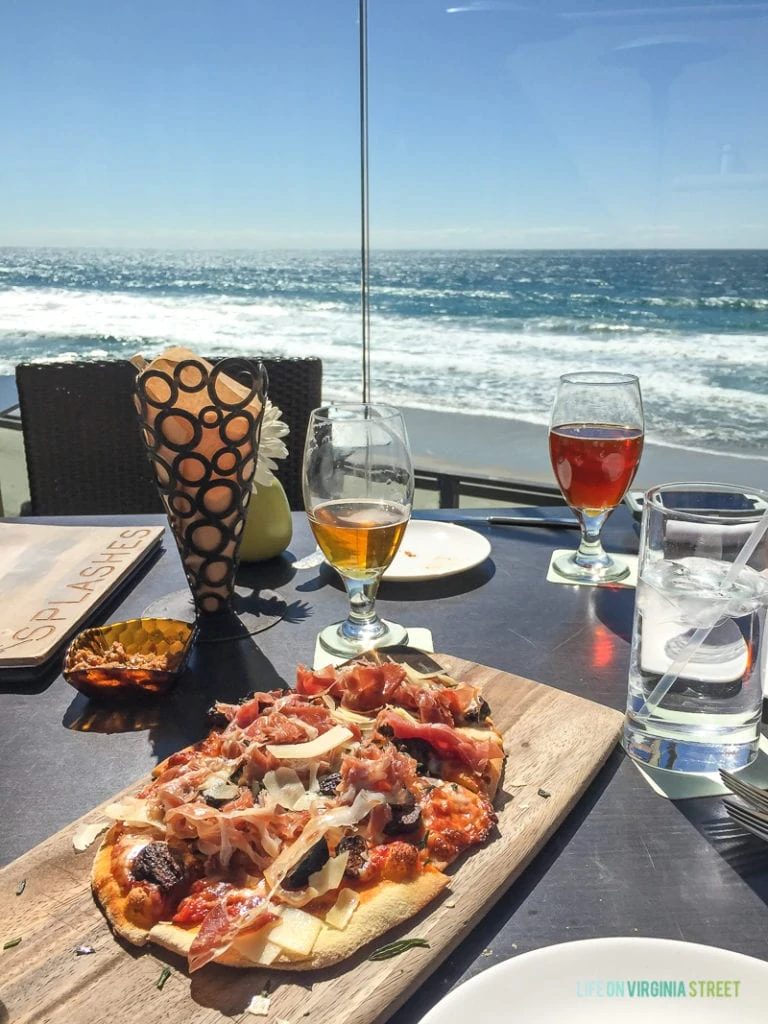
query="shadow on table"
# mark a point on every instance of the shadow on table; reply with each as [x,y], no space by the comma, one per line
[275,572]
[412,590]
[743,852]
[614,607]
[223,672]
[457,963]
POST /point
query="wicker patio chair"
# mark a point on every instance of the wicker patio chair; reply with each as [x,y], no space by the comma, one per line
[82,443]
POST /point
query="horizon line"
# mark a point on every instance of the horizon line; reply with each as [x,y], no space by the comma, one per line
[387,248]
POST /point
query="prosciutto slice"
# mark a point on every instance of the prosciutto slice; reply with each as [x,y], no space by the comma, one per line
[448,743]
[242,910]
[367,687]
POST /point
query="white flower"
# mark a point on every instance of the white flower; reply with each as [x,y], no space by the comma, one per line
[271,446]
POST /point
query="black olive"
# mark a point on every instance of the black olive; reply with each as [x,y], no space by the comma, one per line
[311,862]
[419,750]
[479,713]
[217,792]
[329,783]
[357,849]
[157,863]
[406,817]
[216,719]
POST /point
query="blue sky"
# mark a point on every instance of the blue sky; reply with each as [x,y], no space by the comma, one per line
[233,123]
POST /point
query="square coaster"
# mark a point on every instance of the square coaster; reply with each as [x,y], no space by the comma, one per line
[629,582]
[417,637]
[682,786]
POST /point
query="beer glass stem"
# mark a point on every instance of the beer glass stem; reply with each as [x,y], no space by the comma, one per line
[591,554]
[362,624]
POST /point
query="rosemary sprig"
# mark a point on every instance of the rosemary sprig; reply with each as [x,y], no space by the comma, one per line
[11,943]
[398,947]
[164,976]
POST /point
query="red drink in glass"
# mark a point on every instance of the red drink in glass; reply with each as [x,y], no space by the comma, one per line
[594,463]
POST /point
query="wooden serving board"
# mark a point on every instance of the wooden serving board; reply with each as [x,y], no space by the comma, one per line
[554,741]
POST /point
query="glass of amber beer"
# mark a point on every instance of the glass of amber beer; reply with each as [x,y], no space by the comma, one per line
[358,494]
[595,441]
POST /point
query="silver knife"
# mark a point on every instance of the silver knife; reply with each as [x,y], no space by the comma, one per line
[555,524]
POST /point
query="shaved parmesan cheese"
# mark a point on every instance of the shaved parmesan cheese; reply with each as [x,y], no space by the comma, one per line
[330,875]
[346,717]
[342,910]
[363,804]
[258,946]
[317,747]
[327,878]
[132,811]
[296,931]
[259,1006]
[286,789]
[476,733]
[86,834]
[413,674]
[315,829]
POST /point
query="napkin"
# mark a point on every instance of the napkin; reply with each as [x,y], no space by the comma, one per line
[628,581]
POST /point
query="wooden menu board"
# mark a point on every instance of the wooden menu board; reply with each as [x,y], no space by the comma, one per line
[555,742]
[53,577]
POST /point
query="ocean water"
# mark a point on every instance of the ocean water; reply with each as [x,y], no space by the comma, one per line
[475,331]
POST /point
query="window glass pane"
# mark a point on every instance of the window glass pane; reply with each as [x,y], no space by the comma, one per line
[178,173]
[170,171]
[561,186]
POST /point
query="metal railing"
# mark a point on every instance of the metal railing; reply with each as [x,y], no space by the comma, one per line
[452,486]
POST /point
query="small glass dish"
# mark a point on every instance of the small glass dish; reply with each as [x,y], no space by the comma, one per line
[128,659]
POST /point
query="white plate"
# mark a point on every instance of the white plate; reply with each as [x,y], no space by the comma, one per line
[583,982]
[429,550]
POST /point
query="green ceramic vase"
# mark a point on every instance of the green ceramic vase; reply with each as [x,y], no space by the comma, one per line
[268,528]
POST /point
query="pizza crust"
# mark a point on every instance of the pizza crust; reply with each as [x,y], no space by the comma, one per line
[381,908]
[120,913]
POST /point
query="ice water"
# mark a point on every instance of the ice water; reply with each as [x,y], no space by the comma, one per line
[710,717]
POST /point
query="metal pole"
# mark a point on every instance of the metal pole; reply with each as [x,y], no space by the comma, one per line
[364,209]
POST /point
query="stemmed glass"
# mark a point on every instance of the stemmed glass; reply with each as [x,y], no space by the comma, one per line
[358,494]
[595,441]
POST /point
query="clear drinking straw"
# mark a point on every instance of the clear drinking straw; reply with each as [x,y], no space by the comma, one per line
[698,637]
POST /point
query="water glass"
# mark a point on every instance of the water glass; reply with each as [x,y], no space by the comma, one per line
[695,679]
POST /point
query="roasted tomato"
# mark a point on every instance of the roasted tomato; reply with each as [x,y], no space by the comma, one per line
[454,819]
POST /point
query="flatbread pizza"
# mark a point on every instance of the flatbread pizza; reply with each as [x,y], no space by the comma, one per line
[308,822]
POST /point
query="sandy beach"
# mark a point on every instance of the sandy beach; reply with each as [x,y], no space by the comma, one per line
[478,446]
[511,449]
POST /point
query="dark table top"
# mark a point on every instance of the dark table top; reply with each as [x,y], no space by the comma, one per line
[625,862]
